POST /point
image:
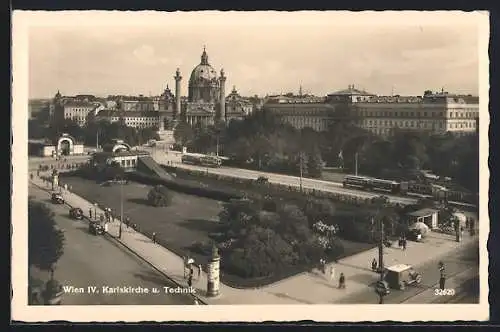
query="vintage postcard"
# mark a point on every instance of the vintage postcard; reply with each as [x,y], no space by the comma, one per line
[250,166]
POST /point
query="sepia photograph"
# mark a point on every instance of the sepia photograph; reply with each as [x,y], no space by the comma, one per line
[328,165]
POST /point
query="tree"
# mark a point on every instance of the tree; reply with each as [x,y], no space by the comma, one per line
[159,196]
[314,164]
[183,134]
[45,240]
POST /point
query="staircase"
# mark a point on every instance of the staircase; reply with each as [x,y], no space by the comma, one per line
[148,165]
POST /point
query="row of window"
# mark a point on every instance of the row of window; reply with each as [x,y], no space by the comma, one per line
[418,124]
[401,113]
[128,162]
[468,115]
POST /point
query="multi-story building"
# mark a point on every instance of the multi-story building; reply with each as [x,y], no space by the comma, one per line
[434,112]
[139,104]
[135,119]
[301,111]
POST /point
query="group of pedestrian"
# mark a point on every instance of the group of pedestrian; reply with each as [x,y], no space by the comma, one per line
[331,271]
[402,242]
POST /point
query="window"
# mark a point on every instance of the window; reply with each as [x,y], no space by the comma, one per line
[123,162]
[425,113]
[395,113]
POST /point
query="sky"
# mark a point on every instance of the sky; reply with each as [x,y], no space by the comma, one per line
[323,52]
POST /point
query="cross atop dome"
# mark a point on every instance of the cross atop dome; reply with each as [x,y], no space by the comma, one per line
[204,56]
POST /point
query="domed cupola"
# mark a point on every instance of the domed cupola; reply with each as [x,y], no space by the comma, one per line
[203,83]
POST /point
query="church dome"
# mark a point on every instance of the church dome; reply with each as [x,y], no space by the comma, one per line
[203,72]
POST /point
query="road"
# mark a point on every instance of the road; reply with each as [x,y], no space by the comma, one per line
[464,261]
[96,261]
[321,185]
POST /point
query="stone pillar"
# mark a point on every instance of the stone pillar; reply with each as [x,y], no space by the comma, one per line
[177,109]
[213,274]
[222,97]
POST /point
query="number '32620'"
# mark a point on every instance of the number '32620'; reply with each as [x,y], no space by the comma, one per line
[444,292]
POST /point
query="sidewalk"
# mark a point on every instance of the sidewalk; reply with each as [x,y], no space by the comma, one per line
[305,288]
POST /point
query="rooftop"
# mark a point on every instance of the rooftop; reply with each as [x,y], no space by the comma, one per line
[351,91]
[422,212]
[399,267]
[127,114]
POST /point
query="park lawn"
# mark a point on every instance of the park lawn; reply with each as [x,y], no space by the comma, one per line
[187,220]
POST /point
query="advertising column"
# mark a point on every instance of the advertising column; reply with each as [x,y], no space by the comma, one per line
[213,274]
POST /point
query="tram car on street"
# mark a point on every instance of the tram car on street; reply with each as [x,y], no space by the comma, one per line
[201,160]
[394,187]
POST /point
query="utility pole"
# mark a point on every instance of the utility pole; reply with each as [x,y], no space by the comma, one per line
[97,140]
[217,145]
[356,163]
[301,156]
[381,256]
[121,210]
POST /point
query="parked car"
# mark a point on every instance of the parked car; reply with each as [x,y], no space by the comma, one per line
[57,198]
[414,235]
[76,213]
[400,276]
[96,228]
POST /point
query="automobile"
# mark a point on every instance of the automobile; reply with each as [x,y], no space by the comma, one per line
[262,179]
[57,198]
[96,228]
[76,213]
[414,235]
[400,276]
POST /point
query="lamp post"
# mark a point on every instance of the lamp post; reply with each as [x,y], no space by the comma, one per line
[301,161]
[95,211]
[121,210]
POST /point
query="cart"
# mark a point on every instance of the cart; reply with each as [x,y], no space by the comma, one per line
[400,276]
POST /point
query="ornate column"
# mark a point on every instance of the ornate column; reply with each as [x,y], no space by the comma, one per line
[177,109]
[222,97]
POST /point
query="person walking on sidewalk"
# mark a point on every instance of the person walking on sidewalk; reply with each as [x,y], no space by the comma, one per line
[342,281]
[31,176]
[404,243]
[153,237]
[332,273]
[190,277]
[442,275]
[90,213]
[199,271]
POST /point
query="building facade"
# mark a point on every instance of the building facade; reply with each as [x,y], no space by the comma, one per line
[135,119]
[237,107]
[436,113]
[301,112]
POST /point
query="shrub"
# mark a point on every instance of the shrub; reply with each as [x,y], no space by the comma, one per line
[159,196]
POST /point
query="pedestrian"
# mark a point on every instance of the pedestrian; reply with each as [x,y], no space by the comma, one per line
[190,277]
[342,281]
[400,242]
[374,265]
[442,275]
[461,231]
[323,265]
[184,262]
[31,176]
[90,213]
[404,243]
[332,273]
[199,271]
[153,237]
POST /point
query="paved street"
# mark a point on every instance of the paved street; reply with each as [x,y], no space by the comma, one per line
[465,259]
[95,261]
[294,181]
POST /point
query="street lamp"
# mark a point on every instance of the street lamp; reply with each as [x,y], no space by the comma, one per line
[95,211]
[121,210]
